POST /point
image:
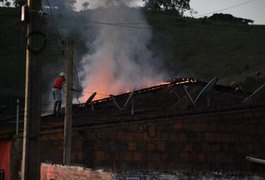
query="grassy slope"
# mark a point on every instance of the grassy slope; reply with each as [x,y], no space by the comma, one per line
[207,49]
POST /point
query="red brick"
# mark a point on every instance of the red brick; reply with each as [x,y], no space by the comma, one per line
[164,135]
[151,165]
[215,157]
[146,137]
[188,148]
[178,125]
[178,137]
[131,146]
[137,156]
[100,155]
[150,146]
[202,157]
[199,127]
[219,157]
[137,136]
[171,165]
[152,131]
[120,135]
[257,114]
[215,147]
[125,156]
[230,158]
[161,145]
[165,156]
[248,115]
[214,137]
[134,126]
[74,173]
[129,136]
[186,157]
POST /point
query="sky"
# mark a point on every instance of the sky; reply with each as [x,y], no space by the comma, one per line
[249,9]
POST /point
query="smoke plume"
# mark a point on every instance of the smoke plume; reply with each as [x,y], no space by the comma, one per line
[119,59]
[111,39]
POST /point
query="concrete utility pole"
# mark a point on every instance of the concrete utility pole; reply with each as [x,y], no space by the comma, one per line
[30,168]
[68,106]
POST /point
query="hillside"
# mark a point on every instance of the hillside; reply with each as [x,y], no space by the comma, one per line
[12,64]
[206,49]
[188,47]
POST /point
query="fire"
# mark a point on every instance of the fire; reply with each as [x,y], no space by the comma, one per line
[107,88]
[163,83]
[110,86]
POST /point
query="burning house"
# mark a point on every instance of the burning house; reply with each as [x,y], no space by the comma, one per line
[185,125]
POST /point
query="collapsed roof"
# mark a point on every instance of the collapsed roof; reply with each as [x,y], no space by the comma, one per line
[183,96]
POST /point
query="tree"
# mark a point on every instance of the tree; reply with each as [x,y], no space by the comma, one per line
[13,3]
[85,5]
[5,3]
[179,6]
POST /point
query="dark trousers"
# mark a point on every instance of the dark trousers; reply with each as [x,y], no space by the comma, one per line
[57,108]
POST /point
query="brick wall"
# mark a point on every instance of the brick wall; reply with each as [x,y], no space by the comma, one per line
[5,149]
[58,172]
[219,141]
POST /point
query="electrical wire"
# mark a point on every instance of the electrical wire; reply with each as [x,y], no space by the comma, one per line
[228,8]
[54,27]
[53,22]
[77,77]
[59,37]
[122,25]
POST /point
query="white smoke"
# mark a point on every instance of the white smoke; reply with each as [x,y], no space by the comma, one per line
[94,4]
[119,59]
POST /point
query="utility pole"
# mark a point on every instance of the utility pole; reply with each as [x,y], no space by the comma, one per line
[30,168]
[68,105]
[17,119]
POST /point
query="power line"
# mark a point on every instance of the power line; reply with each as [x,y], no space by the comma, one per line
[123,25]
[53,22]
[224,9]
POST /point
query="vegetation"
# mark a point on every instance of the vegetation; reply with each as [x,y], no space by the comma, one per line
[14,3]
[177,6]
[5,3]
[205,48]
[201,48]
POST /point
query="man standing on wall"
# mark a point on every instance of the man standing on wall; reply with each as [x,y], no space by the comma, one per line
[58,87]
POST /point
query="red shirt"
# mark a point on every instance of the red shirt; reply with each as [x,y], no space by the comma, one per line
[58,82]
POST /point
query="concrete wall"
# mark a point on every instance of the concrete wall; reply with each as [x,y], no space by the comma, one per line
[211,142]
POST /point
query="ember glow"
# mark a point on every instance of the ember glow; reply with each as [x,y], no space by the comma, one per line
[120,60]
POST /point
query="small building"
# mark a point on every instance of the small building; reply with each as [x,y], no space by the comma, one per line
[183,125]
